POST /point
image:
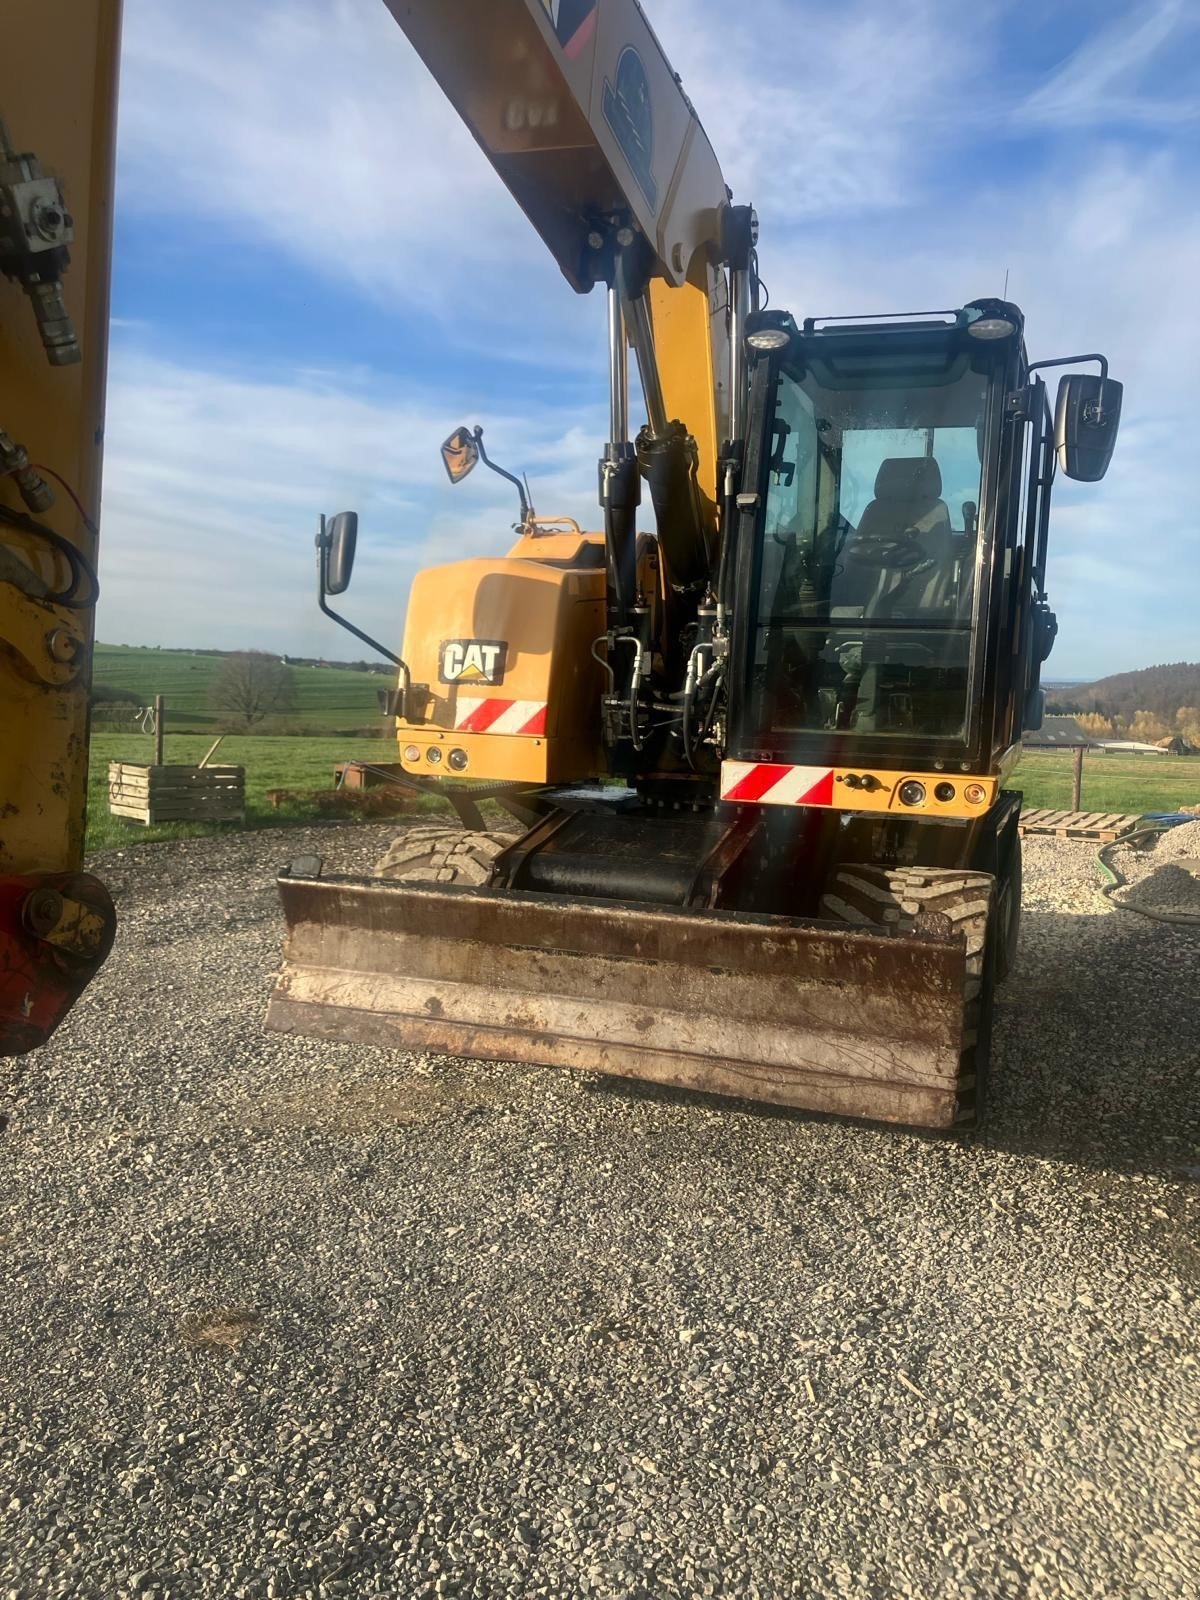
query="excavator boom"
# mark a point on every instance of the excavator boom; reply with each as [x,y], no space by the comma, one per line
[578,110]
[587,125]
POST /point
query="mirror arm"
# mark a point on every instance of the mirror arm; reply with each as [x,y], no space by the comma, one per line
[1073,361]
[526,506]
[323,603]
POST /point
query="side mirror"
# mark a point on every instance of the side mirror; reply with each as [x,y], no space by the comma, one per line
[1086,419]
[338,538]
[460,453]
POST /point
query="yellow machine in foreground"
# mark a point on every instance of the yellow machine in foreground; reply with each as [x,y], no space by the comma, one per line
[806,687]
[58,72]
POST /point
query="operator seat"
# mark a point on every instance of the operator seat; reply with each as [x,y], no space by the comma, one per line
[908,503]
[920,584]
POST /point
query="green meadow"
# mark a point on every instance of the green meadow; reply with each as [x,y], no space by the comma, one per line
[326,697]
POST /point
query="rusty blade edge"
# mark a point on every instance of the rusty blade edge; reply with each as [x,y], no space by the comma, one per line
[727,1029]
[868,1099]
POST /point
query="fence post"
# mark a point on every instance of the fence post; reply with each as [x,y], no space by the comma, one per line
[159,729]
[1077,781]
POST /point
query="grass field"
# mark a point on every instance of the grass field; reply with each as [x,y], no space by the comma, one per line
[1110,783]
[326,697]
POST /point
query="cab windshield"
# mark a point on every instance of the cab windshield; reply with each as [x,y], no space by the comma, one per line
[867,581]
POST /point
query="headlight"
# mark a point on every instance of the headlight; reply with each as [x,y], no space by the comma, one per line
[768,339]
[974,794]
[991,328]
[912,793]
[458,760]
[412,752]
[944,792]
[434,754]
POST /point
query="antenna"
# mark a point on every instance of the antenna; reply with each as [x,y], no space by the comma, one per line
[1004,294]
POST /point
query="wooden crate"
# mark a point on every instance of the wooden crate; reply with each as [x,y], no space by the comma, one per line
[176,793]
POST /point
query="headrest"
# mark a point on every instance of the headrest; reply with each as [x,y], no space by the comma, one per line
[908,478]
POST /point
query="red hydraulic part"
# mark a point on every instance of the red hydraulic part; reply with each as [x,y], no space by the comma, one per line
[55,930]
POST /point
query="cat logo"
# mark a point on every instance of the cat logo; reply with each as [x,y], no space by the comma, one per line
[473,661]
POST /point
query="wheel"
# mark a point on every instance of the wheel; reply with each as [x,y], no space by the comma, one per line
[901,898]
[442,853]
[1008,928]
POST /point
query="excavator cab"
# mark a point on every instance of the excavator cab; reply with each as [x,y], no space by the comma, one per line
[870,566]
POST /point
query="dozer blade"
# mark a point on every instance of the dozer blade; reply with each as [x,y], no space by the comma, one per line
[808,1014]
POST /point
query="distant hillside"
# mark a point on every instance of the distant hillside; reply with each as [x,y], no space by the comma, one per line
[329,698]
[1168,695]
[1159,689]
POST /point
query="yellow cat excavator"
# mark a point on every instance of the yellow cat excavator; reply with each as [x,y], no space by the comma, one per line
[756,749]
[803,690]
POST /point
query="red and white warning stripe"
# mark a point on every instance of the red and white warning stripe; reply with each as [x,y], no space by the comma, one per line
[768,783]
[500,716]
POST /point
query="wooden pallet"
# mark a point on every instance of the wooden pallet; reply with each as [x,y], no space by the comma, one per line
[172,793]
[1103,826]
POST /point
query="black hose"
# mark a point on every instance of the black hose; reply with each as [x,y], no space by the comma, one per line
[80,567]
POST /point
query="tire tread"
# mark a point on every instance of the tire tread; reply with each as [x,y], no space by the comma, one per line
[441,853]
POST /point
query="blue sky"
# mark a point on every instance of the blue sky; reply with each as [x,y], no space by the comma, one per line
[305,304]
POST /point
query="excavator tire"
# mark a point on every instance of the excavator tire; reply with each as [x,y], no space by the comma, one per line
[442,853]
[902,898]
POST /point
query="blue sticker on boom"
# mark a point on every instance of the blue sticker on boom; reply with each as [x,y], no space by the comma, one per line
[629,114]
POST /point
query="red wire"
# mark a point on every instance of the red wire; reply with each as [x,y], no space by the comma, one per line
[75,500]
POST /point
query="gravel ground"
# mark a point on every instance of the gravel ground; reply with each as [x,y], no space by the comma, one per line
[287,1318]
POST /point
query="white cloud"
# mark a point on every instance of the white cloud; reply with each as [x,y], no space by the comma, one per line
[311,127]
[823,114]
[1104,81]
[214,482]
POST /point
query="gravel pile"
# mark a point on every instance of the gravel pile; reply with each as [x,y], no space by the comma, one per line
[1181,843]
[1162,871]
[288,1318]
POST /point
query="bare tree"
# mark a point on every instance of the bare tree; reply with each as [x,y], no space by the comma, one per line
[251,686]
